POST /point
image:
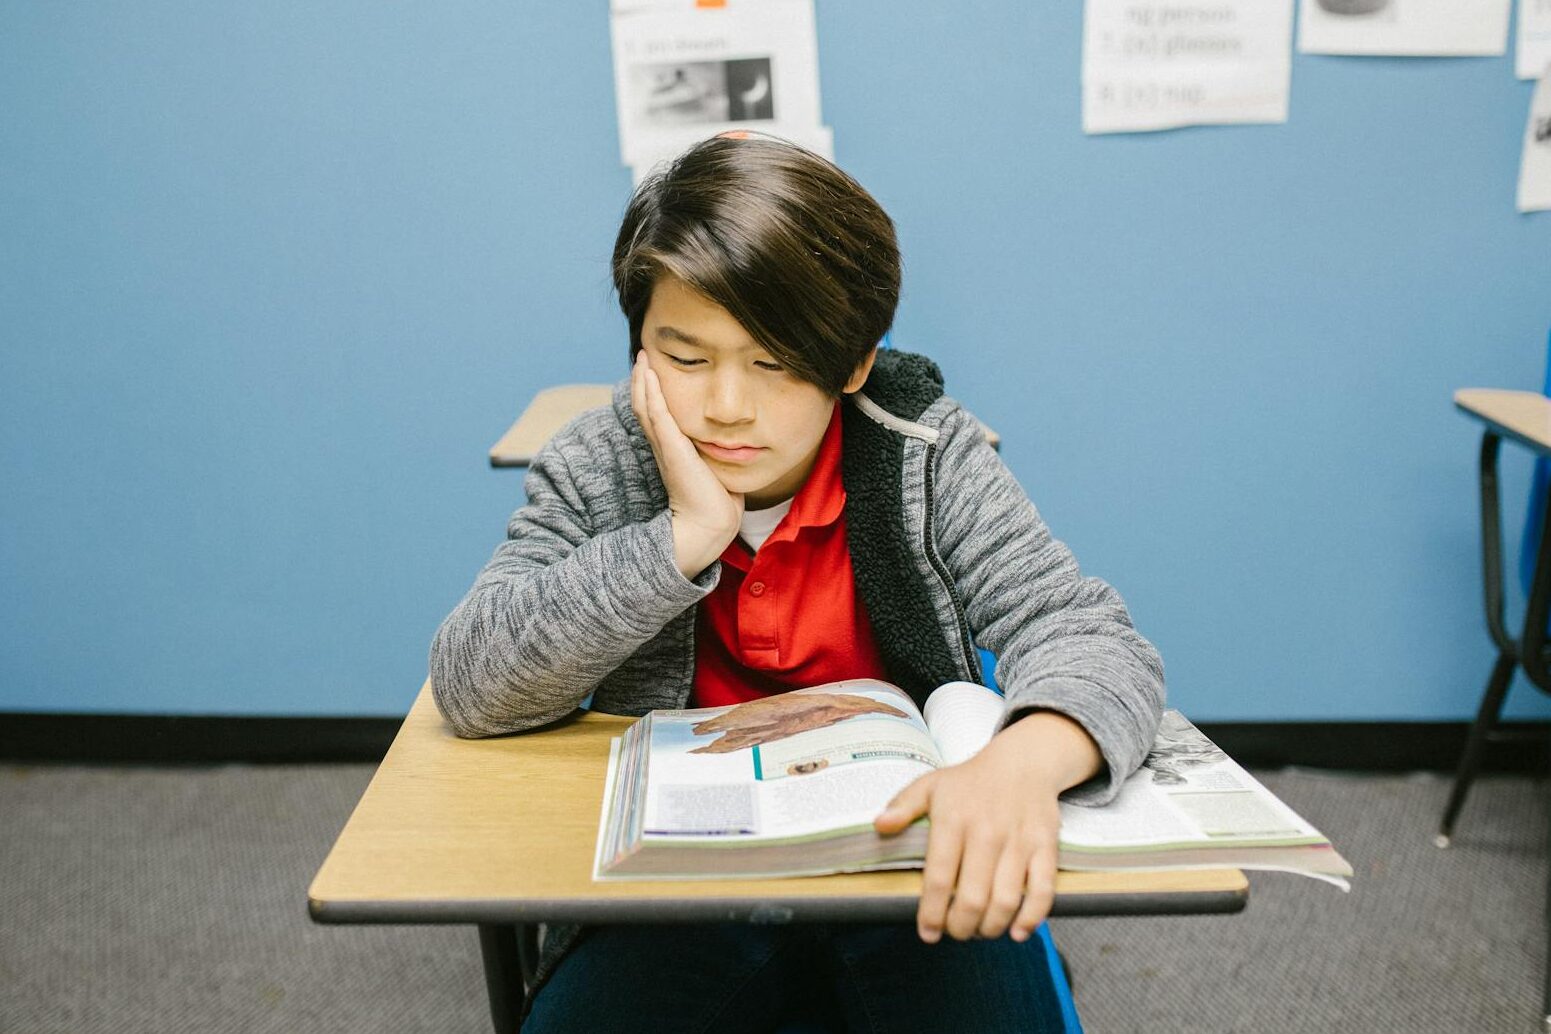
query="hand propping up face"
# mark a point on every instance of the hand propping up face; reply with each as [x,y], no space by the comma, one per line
[706,516]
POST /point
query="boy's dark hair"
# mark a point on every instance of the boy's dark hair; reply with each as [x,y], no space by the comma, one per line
[796,250]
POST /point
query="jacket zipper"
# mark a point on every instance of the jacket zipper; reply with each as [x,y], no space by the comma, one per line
[971,663]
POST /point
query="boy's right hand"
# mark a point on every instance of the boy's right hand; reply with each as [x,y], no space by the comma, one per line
[706,516]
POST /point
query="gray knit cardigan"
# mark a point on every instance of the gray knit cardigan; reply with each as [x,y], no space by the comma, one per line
[584,595]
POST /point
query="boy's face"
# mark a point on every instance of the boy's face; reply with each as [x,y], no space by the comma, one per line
[756,425]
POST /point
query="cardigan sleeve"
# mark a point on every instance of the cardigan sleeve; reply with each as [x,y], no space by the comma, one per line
[558,607]
[1063,642]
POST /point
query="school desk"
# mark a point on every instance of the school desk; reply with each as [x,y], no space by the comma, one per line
[1523,417]
[501,831]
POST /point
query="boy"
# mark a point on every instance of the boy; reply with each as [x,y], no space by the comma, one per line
[770,503]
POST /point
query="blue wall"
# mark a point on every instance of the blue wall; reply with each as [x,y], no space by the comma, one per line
[272,279]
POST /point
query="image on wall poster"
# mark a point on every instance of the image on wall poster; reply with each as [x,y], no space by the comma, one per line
[683,72]
[1158,65]
[704,91]
[1535,170]
[1404,28]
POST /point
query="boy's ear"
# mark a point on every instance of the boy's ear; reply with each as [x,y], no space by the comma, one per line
[859,377]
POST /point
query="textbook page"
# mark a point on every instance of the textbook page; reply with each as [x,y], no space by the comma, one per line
[807,762]
[1187,792]
[962,717]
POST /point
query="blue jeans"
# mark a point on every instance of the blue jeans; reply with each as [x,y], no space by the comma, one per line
[735,978]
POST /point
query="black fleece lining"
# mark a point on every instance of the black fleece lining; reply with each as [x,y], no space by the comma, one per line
[916,655]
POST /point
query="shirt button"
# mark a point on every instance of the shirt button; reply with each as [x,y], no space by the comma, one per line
[757,589]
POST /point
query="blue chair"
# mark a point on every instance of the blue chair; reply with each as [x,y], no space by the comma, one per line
[1053,957]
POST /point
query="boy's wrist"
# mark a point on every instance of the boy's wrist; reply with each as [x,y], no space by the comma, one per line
[695,547]
[1050,747]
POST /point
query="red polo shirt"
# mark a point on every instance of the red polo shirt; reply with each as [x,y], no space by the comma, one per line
[787,616]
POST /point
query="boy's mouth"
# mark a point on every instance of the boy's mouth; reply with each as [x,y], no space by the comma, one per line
[729,453]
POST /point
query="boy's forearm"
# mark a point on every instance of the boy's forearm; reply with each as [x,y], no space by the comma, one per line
[532,639]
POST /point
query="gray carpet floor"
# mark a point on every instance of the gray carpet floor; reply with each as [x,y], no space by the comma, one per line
[174,900]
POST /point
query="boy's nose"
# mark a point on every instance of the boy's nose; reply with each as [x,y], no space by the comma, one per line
[728,401]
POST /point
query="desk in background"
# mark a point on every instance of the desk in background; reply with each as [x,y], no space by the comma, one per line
[1523,417]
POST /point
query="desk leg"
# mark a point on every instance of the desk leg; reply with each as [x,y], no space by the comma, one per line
[1507,649]
[1480,732]
[503,976]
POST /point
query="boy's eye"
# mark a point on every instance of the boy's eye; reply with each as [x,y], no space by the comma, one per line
[763,364]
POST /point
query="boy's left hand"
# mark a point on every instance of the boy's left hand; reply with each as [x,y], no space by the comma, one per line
[995,821]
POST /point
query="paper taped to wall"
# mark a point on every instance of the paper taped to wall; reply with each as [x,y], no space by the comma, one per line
[1535,169]
[1150,65]
[1534,38]
[1404,28]
[684,72]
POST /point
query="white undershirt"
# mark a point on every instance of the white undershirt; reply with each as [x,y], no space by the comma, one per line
[758,525]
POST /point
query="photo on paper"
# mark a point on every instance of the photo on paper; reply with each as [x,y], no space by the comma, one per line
[867,728]
[695,92]
[1404,28]
[1356,7]
[1178,749]
[800,733]
[780,716]
[683,72]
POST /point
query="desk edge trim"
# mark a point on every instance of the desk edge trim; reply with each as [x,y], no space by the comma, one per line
[774,910]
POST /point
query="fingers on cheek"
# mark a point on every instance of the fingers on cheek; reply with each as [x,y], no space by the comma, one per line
[654,393]
[638,397]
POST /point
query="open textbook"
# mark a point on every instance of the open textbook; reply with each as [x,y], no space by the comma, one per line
[789,785]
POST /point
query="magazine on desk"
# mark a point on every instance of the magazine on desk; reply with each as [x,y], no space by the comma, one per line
[789,785]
